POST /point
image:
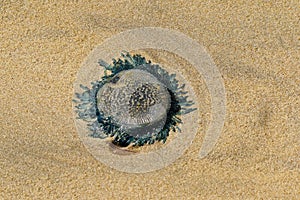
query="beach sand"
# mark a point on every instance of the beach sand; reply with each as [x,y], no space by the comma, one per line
[254,44]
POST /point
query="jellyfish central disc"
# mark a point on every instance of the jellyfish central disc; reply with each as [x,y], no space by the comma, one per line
[136,101]
[142,99]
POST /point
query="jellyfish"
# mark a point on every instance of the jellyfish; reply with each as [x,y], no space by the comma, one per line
[135,103]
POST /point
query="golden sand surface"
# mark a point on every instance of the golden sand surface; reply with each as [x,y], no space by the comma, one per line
[256,47]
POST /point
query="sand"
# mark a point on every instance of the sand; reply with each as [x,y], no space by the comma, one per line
[254,44]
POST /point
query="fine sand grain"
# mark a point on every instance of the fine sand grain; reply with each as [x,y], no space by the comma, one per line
[254,44]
